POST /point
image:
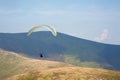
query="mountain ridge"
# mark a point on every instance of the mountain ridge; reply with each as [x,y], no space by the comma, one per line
[63,48]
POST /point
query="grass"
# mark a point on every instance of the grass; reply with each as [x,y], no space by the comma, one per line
[69,73]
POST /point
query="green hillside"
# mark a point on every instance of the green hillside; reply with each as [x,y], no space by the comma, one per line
[11,64]
[63,48]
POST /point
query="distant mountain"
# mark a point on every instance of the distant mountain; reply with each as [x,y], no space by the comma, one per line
[63,48]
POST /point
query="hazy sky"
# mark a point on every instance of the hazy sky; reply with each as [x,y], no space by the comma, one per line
[97,20]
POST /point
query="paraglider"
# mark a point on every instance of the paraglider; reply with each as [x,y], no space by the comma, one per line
[50,28]
[41,55]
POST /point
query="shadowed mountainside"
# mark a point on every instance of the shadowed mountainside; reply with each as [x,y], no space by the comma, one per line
[63,48]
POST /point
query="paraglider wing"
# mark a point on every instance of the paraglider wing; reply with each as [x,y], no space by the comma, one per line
[51,28]
[32,30]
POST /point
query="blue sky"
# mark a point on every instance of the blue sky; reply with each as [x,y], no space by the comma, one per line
[96,20]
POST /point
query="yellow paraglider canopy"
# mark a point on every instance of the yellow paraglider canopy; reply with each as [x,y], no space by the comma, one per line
[51,28]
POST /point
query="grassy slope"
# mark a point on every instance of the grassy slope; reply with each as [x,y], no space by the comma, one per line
[69,73]
[23,68]
[12,63]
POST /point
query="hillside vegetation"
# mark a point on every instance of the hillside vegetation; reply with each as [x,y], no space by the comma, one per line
[69,73]
[11,64]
